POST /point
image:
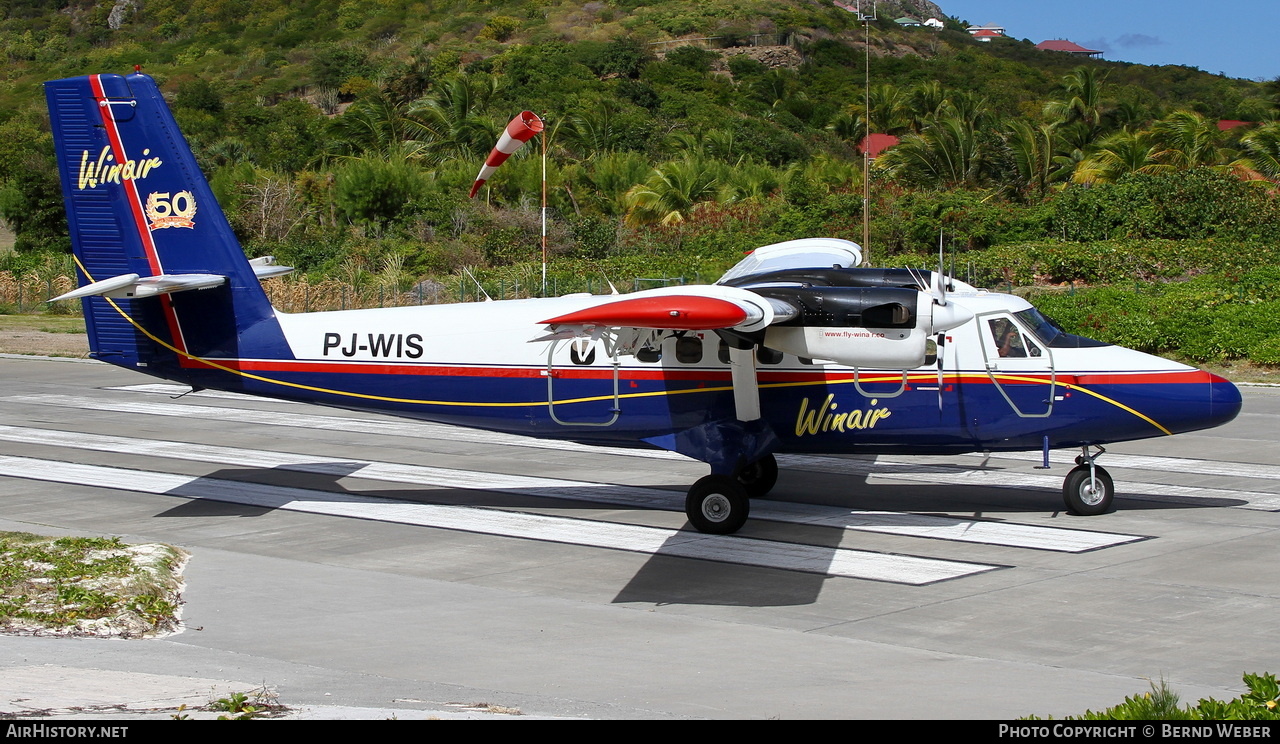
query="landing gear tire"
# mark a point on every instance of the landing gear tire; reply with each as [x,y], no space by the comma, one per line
[1088,496]
[717,505]
[759,477]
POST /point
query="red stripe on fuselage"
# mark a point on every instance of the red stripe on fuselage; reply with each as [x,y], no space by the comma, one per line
[696,374]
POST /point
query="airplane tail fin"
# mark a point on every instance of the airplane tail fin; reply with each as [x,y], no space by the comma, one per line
[163,279]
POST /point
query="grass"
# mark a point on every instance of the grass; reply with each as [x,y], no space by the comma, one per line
[42,322]
[96,586]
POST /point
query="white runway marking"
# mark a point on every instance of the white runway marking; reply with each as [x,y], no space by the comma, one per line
[841,562]
[910,525]
[918,472]
[1151,462]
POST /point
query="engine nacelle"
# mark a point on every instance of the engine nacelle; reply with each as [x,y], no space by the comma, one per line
[877,327]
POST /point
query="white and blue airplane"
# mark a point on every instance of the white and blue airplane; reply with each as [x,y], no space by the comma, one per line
[794,350]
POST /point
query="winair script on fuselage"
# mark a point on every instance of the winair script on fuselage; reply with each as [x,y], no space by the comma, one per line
[824,418]
[105,170]
[381,345]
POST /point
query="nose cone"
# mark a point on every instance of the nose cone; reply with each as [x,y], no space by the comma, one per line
[1206,401]
[950,315]
[1224,400]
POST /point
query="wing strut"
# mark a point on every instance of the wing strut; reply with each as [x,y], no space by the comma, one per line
[746,388]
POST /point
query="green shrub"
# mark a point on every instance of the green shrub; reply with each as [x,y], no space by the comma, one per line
[1260,703]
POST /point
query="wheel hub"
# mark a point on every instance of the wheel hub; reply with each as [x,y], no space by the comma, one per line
[1090,492]
[716,508]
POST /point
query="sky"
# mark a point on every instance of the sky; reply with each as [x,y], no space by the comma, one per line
[1240,39]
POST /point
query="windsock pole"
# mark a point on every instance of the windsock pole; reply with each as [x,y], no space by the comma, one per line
[544,212]
[518,131]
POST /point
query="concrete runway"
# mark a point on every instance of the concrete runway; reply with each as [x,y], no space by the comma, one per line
[369,567]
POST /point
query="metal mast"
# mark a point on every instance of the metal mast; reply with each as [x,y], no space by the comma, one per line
[866,19]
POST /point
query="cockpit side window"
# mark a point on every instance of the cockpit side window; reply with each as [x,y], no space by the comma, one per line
[1009,341]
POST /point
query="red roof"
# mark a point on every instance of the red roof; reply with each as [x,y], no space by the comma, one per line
[1062,45]
[986,33]
[874,144]
[1225,124]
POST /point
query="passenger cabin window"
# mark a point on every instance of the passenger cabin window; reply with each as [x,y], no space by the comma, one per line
[649,354]
[763,355]
[768,356]
[577,355]
[688,350]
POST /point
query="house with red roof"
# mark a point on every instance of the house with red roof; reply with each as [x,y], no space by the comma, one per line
[1070,47]
[876,143]
[987,32]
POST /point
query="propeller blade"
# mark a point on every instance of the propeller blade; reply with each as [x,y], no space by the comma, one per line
[939,284]
[939,351]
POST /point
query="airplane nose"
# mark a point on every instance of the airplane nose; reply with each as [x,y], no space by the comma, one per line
[1224,400]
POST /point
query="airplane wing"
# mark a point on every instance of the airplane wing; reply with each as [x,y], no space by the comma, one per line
[716,307]
[803,297]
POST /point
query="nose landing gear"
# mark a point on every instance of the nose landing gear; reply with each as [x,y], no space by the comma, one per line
[1088,489]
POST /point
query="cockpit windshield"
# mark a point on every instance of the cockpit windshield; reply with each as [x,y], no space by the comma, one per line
[1051,333]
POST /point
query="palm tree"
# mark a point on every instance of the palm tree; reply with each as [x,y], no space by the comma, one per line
[1033,153]
[1118,155]
[1084,102]
[926,101]
[604,181]
[450,122]
[714,144]
[890,110]
[1189,140]
[968,106]
[945,154]
[672,191]
[748,181]
[593,129]
[375,125]
[849,125]
[1082,109]
[1262,151]
[775,86]
[830,174]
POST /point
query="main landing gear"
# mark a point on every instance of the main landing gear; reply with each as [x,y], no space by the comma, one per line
[720,504]
[1088,489]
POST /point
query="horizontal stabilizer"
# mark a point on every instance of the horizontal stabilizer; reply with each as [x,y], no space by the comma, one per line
[266,267]
[133,286]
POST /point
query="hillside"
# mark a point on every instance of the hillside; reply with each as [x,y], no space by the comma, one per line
[755,104]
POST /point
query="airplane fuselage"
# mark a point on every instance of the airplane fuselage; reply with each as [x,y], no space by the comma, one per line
[474,364]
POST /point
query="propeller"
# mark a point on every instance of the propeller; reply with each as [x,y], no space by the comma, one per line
[946,315]
[951,318]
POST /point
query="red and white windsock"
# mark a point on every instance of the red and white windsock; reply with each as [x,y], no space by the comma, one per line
[519,131]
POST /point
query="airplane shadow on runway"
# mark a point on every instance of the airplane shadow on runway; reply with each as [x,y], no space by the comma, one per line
[667,577]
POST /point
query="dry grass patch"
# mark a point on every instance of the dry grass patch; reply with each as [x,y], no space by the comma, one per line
[88,586]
